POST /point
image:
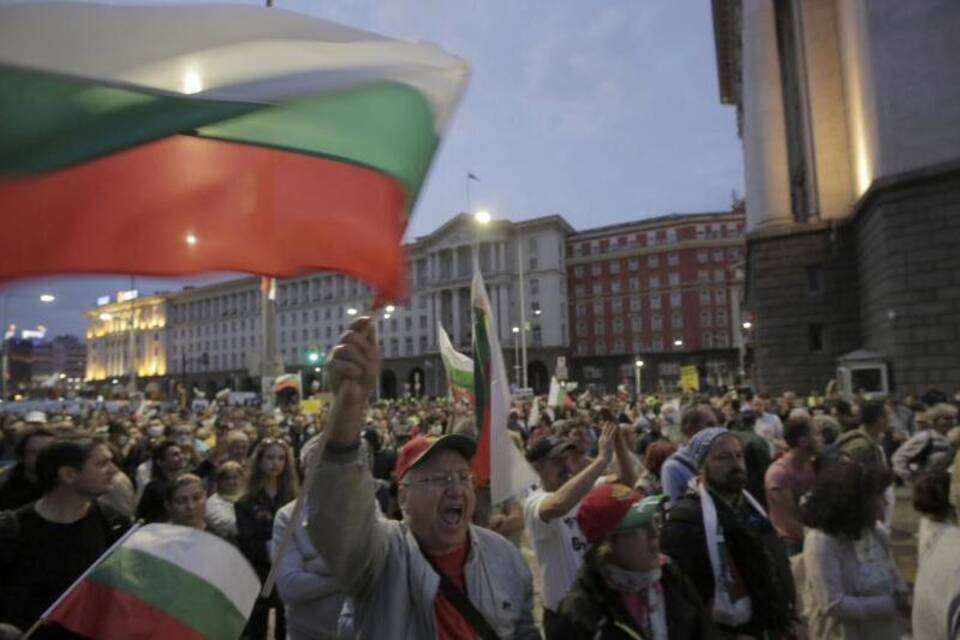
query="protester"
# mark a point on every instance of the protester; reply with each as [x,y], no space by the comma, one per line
[462,581]
[864,445]
[19,484]
[625,587]
[168,462]
[310,594]
[186,502]
[768,425]
[680,468]
[720,536]
[221,513]
[60,535]
[936,601]
[271,483]
[756,453]
[655,456]
[852,587]
[789,478]
[551,513]
[929,450]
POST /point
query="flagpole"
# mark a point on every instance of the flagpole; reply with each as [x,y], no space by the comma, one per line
[82,577]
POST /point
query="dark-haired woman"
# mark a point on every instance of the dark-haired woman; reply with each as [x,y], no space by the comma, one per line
[937,594]
[852,590]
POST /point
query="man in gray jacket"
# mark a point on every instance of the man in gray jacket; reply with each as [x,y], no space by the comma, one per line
[433,575]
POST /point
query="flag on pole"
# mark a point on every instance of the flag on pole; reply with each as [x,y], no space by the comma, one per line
[471,176]
[162,581]
[231,138]
[498,461]
[459,368]
[558,397]
[288,381]
[268,286]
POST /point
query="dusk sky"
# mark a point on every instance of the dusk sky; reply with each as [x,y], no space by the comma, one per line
[600,112]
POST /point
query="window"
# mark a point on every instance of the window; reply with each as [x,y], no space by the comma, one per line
[408,346]
[581,328]
[615,267]
[615,286]
[675,299]
[673,259]
[657,343]
[656,322]
[600,347]
[534,263]
[578,290]
[616,306]
[598,308]
[636,323]
[653,261]
[702,256]
[393,325]
[304,335]
[597,288]
[706,320]
[598,328]
[718,255]
[720,296]
[407,323]
[703,275]
[655,302]
[671,235]
[581,310]
[394,347]
[721,317]
[423,344]
[578,271]
[814,274]
[635,304]
[537,335]
[633,264]
[532,245]
[654,282]
[704,296]
[596,269]
[676,320]
[719,275]
[534,286]
[816,337]
[722,340]
[706,340]
[423,322]
[633,283]
[674,279]
[423,302]
[618,345]
[617,326]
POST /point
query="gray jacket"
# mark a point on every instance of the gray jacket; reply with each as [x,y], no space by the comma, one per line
[380,567]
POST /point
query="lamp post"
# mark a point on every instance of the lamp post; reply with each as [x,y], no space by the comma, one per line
[637,366]
[516,355]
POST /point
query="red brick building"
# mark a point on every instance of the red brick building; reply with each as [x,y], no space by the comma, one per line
[665,290]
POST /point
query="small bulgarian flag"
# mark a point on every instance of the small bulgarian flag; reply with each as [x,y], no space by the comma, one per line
[459,368]
[498,461]
[287,381]
[162,581]
[172,140]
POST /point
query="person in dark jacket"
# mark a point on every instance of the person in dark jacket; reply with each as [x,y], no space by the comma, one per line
[626,588]
[271,483]
[19,486]
[721,537]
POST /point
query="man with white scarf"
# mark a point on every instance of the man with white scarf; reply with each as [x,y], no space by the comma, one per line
[722,539]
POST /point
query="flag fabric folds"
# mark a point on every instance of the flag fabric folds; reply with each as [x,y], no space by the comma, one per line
[458,366]
[498,461]
[170,140]
[163,581]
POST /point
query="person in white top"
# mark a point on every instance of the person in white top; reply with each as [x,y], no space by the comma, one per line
[551,514]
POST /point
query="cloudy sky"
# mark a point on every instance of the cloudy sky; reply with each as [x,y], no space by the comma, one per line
[602,112]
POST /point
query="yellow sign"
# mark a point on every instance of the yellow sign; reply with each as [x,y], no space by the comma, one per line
[689,378]
[314,405]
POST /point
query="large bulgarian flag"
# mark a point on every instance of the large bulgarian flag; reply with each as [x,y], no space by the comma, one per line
[162,581]
[459,368]
[170,140]
[498,461]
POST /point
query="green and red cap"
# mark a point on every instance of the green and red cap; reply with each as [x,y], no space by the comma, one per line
[612,508]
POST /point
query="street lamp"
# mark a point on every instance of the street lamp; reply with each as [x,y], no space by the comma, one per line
[516,354]
[191,239]
[678,342]
[747,325]
[391,308]
[47,297]
[351,311]
[636,368]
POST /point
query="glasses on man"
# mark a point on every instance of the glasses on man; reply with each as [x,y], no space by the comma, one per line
[444,480]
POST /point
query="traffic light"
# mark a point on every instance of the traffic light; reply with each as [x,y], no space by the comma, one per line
[316,358]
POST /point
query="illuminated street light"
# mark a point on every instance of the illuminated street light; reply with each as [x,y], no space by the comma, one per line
[351,311]
[747,325]
[105,316]
[317,369]
[386,316]
[191,239]
[678,342]
[47,297]
[482,217]
[536,312]
[516,329]
[62,376]
[638,364]
[313,356]
[391,308]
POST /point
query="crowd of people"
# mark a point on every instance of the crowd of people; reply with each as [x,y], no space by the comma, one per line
[732,516]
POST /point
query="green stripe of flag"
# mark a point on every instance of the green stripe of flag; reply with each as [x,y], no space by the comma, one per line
[168,587]
[460,377]
[481,360]
[52,122]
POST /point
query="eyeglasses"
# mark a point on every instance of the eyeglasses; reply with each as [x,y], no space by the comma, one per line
[444,480]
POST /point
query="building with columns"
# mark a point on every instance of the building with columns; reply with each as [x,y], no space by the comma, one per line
[110,328]
[849,113]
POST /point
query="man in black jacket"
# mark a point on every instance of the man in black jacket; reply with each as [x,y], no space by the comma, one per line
[720,536]
[625,588]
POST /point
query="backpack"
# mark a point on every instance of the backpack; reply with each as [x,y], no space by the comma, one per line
[835,452]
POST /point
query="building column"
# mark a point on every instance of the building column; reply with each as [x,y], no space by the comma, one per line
[455,329]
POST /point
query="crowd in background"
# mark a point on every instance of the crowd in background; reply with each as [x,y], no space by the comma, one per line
[775,511]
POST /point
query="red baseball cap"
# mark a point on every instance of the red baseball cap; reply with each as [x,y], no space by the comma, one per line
[420,448]
[604,509]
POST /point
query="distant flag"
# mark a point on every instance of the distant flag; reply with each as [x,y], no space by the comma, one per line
[268,286]
[162,581]
[534,418]
[498,461]
[459,368]
[471,176]
[558,397]
[288,381]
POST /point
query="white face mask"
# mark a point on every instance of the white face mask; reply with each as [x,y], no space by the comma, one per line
[154,432]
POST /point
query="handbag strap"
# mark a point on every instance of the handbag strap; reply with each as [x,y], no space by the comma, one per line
[462,604]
